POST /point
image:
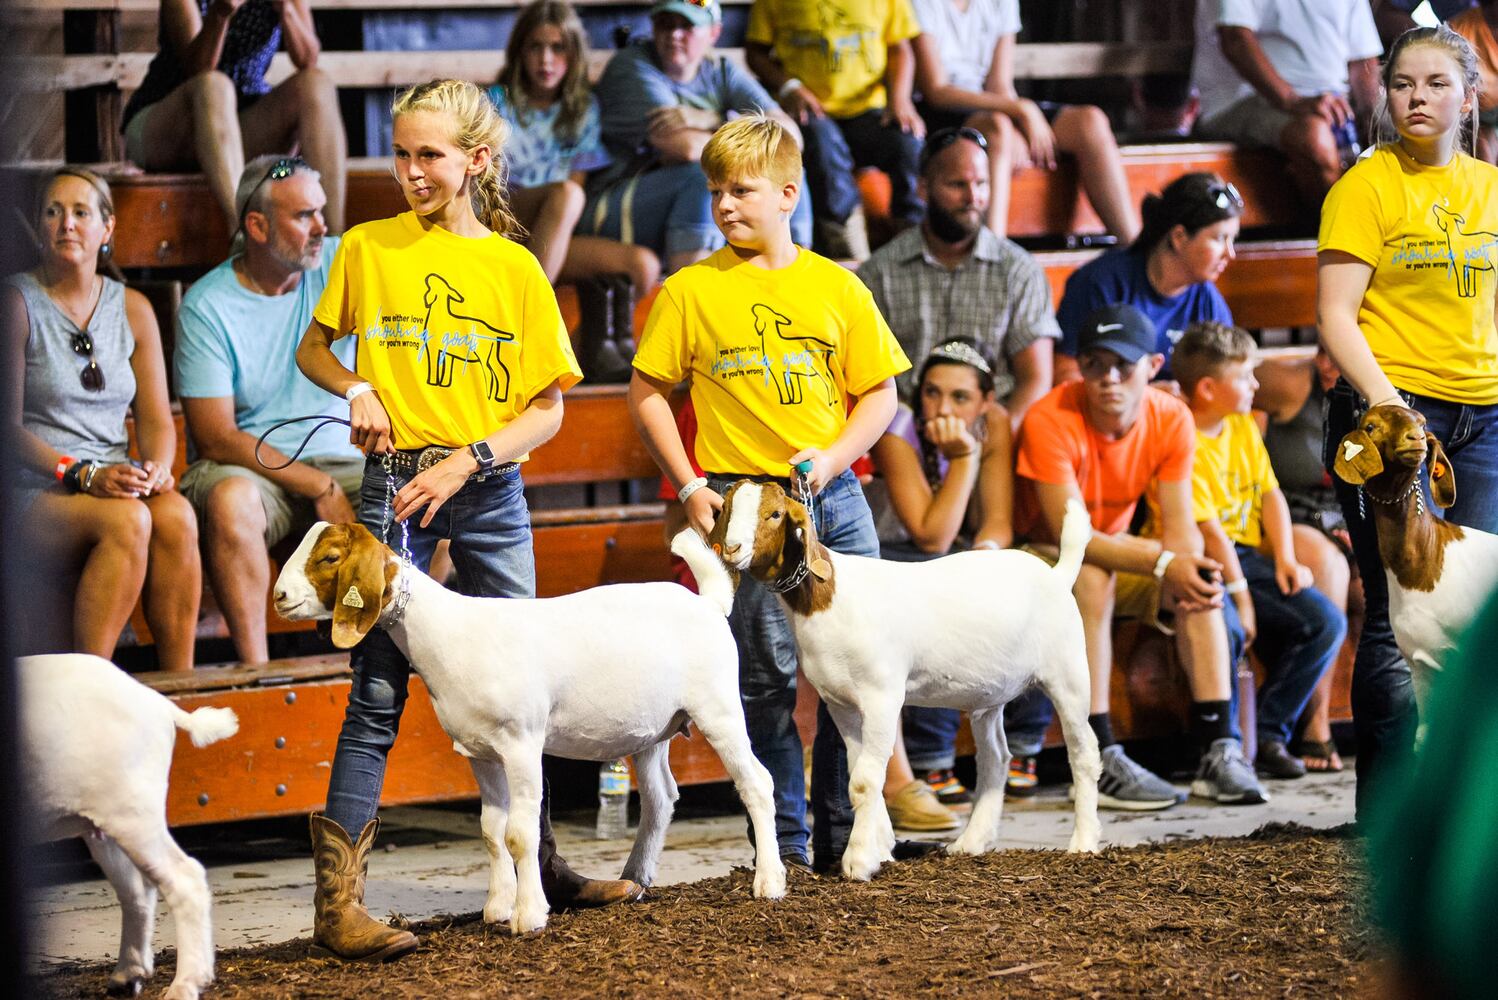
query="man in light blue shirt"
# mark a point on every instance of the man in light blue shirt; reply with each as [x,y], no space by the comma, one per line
[236,374]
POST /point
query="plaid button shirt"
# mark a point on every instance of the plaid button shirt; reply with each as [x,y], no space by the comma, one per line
[998,298]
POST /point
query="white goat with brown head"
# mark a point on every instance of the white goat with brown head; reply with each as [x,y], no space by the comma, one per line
[596,675]
[1439,573]
[968,631]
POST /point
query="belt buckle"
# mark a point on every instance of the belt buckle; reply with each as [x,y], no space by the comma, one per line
[430,456]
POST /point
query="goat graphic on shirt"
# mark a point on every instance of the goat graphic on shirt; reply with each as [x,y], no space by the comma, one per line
[450,337]
[1468,254]
[790,362]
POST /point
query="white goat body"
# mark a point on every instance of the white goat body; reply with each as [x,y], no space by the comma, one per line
[595,675]
[968,631]
[96,748]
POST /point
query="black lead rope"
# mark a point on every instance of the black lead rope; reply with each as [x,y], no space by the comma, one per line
[305,441]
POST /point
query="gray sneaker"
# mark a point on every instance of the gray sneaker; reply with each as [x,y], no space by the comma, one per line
[1126,785]
[1226,776]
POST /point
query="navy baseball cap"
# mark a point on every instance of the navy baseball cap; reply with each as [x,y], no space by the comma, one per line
[1119,328]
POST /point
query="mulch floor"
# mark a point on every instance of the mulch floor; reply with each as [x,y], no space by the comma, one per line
[1277,914]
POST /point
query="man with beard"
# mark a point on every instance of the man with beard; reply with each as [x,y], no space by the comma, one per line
[237,333]
[952,277]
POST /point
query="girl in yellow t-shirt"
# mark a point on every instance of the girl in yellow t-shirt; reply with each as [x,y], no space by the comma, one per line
[462,360]
[1406,295]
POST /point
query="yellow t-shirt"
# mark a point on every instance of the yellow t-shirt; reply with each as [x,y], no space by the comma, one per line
[1229,477]
[773,355]
[1431,236]
[837,49]
[457,334]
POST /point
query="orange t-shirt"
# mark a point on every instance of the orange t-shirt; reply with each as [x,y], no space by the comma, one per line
[1057,446]
[1472,26]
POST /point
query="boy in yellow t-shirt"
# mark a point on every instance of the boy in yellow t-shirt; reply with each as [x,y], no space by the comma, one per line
[1245,523]
[844,71]
[777,342]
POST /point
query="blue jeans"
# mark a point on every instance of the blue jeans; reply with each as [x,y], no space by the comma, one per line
[767,684]
[1298,639]
[1027,717]
[930,733]
[1383,698]
[671,213]
[489,527]
[836,147]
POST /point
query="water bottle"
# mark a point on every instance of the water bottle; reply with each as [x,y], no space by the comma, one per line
[1347,143]
[613,800]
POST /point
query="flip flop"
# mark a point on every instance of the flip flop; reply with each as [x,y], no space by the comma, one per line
[1320,756]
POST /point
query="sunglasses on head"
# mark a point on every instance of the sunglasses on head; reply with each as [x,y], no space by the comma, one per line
[279,171]
[944,137]
[1225,196]
[92,376]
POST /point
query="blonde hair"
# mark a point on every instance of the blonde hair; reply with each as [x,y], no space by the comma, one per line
[1205,348]
[574,90]
[1461,52]
[755,145]
[475,123]
[105,263]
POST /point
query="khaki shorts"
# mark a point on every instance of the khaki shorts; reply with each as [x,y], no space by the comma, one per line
[1135,595]
[1251,121]
[283,511]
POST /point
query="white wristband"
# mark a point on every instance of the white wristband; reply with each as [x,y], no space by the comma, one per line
[354,391]
[1238,586]
[692,486]
[987,543]
[785,88]
[1166,555]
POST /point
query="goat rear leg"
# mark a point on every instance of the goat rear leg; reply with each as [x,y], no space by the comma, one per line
[137,915]
[982,832]
[522,765]
[725,732]
[185,885]
[1071,697]
[494,792]
[869,732]
[657,802]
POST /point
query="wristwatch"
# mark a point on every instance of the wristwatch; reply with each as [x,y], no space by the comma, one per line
[482,454]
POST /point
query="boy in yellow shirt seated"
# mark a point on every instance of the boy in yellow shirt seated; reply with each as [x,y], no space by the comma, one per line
[776,341]
[1245,523]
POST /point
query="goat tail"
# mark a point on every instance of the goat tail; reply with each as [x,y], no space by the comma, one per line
[714,582]
[206,725]
[1076,532]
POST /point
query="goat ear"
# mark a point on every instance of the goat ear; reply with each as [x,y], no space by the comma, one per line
[1442,479]
[1357,458]
[359,595]
[807,535]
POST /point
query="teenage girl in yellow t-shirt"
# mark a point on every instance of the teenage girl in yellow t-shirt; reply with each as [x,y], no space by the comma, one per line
[1405,299]
[462,360]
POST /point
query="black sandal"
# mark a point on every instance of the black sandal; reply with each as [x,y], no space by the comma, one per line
[1320,756]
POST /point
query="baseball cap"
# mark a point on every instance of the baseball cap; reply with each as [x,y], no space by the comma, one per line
[1119,328]
[700,13]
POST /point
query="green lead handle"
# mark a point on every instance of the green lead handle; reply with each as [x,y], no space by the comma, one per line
[803,467]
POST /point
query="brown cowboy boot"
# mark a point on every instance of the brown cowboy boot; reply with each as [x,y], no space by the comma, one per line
[566,889]
[342,927]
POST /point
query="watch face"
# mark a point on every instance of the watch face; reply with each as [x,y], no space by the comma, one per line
[482,453]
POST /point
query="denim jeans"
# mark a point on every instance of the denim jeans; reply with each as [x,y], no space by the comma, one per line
[488,525]
[1027,717]
[836,147]
[1299,636]
[1384,715]
[671,213]
[767,684]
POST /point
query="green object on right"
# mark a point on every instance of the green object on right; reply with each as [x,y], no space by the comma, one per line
[803,467]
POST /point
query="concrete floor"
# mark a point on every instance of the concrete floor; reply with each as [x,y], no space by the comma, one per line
[434,863]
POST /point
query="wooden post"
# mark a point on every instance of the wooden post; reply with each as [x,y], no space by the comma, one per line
[92,114]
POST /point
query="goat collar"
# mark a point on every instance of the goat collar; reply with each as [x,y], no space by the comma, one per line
[1400,500]
[797,576]
[396,610]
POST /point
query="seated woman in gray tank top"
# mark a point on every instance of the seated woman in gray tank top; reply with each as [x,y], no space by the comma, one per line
[99,530]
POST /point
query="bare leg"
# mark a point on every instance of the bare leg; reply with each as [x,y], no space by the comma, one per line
[304,110]
[174,580]
[590,256]
[207,105]
[898,774]
[1084,131]
[104,542]
[1312,152]
[1333,578]
[1202,641]
[550,213]
[238,565]
[1001,135]
[1094,593]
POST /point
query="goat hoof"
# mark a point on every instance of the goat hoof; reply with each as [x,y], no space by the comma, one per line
[523,924]
[770,885]
[131,987]
[497,915]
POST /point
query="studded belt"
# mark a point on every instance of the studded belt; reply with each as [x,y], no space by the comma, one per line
[411,462]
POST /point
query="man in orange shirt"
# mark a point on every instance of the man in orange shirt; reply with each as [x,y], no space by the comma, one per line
[1105,440]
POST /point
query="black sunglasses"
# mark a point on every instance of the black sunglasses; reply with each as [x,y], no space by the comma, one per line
[279,171]
[1225,196]
[92,375]
[944,137]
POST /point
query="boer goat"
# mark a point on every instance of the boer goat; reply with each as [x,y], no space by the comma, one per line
[1439,573]
[96,748]
[968,631]
[592,676]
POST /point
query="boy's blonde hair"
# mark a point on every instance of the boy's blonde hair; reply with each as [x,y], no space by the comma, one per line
[752,146]
[475,123]
[1205,349]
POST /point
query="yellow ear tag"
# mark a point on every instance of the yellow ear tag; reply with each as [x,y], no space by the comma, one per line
[352,599]
[821,569]
[1350,450]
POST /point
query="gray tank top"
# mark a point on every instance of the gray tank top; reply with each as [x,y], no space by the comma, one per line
[1295,446]
[55,406]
